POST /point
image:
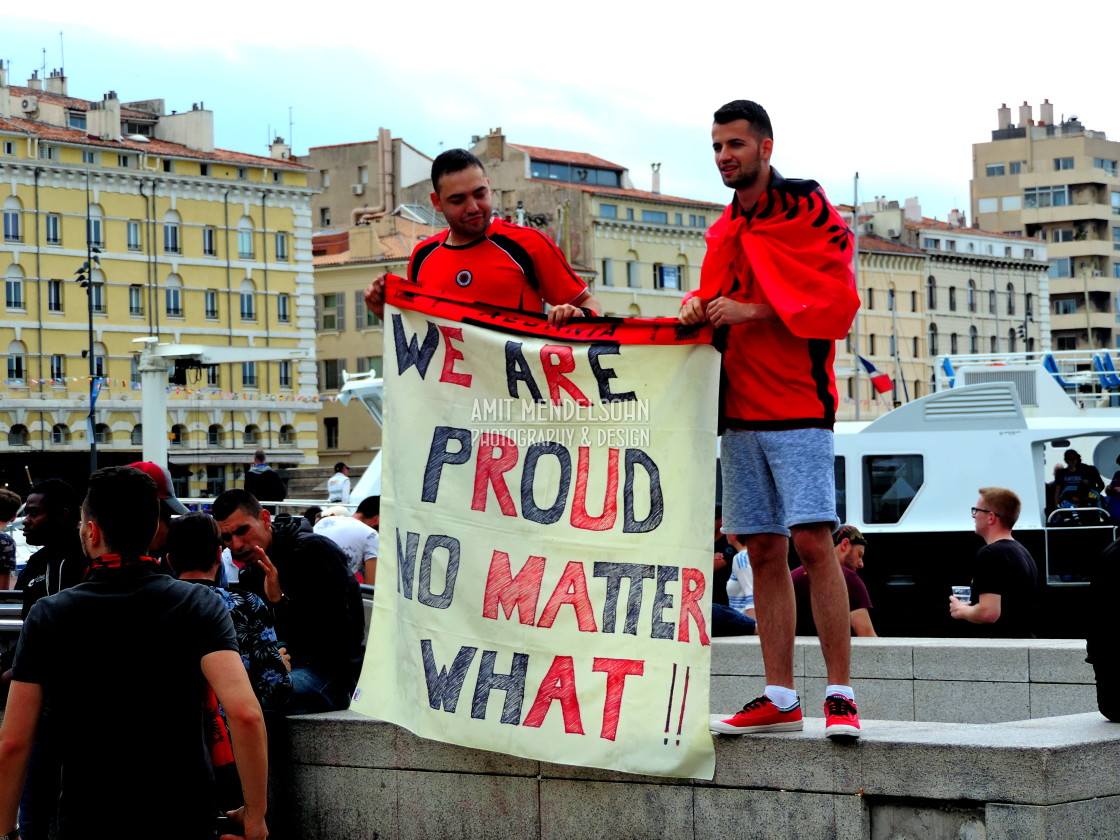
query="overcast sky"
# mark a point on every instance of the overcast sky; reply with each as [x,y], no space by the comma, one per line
[897,92]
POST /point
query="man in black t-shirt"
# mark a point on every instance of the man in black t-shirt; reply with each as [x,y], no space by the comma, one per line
[1078,481]
[123,658]
[1005,581]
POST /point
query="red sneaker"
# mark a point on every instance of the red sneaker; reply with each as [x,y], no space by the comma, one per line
[759,715]
[841,720]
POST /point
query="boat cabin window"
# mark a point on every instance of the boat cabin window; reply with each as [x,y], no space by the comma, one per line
[890,483]
[839,475]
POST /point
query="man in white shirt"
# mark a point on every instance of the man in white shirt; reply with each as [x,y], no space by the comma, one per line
[338,485]
[358,541]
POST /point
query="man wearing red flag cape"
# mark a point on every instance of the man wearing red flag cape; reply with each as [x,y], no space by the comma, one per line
[777,283]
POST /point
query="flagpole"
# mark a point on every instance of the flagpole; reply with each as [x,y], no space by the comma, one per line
[855,274]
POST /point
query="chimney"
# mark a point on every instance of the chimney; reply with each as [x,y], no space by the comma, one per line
[279,150]
[956,218]
[912,210]
[1046,113]
[3,75]
[495,144]
[56,83]
[104,118]
[35,83]
[655,187]
[1004,116]
[1025,119]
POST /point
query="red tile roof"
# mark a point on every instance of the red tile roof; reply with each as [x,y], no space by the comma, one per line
[945,227]
[560,156]
[75,104]
[876,244]
[332,248]
[635,194]
[165,148]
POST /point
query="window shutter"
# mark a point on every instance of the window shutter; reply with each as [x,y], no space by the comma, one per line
[318,318]
[340,318]
[359,310]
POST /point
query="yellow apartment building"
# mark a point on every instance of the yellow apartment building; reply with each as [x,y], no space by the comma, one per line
[191,244]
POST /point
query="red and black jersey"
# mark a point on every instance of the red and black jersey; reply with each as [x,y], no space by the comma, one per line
[510,266]
[793,251]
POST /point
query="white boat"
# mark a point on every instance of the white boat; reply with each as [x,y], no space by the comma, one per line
[909,478]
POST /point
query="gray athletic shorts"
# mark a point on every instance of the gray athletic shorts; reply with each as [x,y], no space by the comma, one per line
[774,480]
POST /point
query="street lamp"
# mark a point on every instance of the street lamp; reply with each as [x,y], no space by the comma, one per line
[85,280]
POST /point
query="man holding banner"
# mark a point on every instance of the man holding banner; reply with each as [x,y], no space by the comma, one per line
[777,282]
[483,259]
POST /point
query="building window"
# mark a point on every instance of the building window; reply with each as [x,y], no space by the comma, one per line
[13,220]
[102,433]
[137,436]
[994,169]
[135,300]
[952,298]
[100,354]
[953,343]
[277,177]
[988,205]
[993,344]
[1109,166]
[285,375]
[94,226]
[248,301]
[46,152]
[330,430]
[1063,163]
[916,347]
[332,374]
[330,314]
[171,233]
[608,211]
[89,157]
[215,479]
[242,173]
[283,311]
[930,242]
[871,344]
[210,303]
[629,214]
[931,294]
[133,234]
[214,436]
[666,276]
[204,169]
[251,436]
[13,289]
[168,165]
[282,247]
[17,435]
[60,433]
[1028,305]
[607,276]
[1010,299]
[249,374]
[1046,196]
[1017,167]
[173,296]
[1059,267]
[9,148]
[213,376]
[913,301]
[658,217]
[973,340]
[1065,306]
[933,339]
[54,295]
[210,241]
[870,294]
[971,295]
[17,360]
[371,364]
[992,309]
[287,435]
[245,239]
[1059,234]
[632,274]
[324,217]
[54,229]
[125,161]
[97,296]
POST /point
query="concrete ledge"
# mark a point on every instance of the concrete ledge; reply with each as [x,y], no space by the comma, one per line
[350,776]
[950,680]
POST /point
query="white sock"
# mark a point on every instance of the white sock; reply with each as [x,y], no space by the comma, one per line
[842,690]
[782,697]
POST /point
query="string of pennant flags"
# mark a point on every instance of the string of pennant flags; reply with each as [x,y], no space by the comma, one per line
[103,383]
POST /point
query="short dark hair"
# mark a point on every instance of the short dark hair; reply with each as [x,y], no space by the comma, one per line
[369,507]
[452,161]
[850,533]
[259,456]
[124,503]
[10,503]
[1004,503]
[340,466]
[312,513]
[232,501]
[745,109]
[59,498]
[193,543]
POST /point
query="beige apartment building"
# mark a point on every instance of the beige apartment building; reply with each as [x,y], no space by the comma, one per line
[192,245]
[1058,181]
[350,338]
[357,180]
[640,250]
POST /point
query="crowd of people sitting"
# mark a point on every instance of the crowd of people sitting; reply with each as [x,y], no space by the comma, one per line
[174,589]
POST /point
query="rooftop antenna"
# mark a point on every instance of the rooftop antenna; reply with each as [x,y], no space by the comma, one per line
[61,53]
[291,139]
[44,63]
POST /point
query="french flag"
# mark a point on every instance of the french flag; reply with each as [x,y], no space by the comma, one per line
[880,380]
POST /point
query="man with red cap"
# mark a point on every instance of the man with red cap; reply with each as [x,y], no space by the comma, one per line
[168,505]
